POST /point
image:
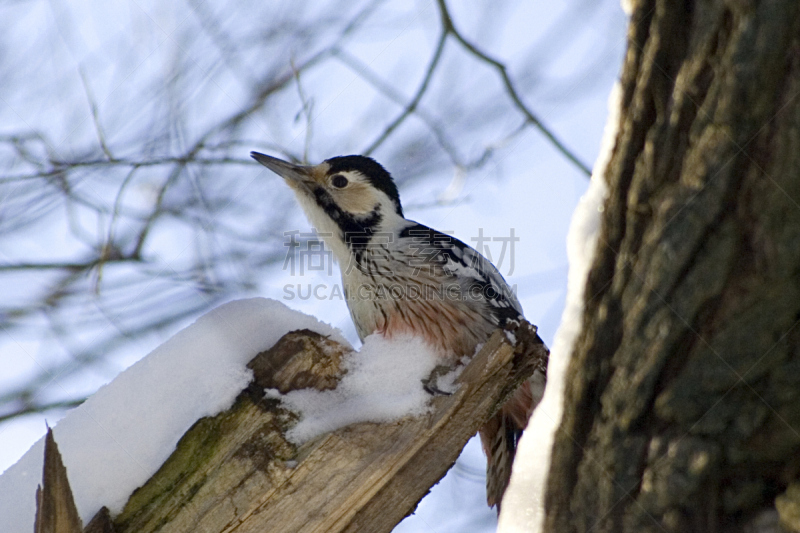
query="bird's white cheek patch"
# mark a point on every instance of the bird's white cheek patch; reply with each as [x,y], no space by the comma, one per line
[357,199]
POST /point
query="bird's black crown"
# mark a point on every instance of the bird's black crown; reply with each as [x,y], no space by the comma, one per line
[378,176]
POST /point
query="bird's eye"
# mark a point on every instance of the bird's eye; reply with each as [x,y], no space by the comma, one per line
[339,181]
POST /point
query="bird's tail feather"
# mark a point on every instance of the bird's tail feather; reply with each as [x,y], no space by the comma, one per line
[501,434]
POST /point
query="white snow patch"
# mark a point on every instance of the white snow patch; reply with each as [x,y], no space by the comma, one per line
[627,6]
[121,435]
[523,503]
[447,382]
[510,337]
[383,383]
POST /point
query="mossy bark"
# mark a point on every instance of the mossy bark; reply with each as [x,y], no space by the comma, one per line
[682,406]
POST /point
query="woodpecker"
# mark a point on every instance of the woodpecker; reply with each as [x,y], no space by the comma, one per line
[402,277]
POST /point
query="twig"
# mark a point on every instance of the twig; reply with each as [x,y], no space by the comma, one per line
[101,137]
[390,92]
[450,29]
[412,105]
[67,404]
[307,107]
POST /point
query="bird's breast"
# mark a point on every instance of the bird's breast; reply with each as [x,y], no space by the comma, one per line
[392,304]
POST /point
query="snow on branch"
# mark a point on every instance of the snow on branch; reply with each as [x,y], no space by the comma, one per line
[360,462]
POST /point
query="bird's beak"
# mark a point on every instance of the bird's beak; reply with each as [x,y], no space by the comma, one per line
[293,174]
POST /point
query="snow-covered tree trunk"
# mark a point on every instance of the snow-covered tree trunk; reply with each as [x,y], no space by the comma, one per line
[682,405]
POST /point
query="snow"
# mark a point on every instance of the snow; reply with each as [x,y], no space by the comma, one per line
[120,436]
[383,383]
[523,503]
[512,339]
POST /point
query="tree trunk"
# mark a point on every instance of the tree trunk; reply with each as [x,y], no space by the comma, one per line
[682,409]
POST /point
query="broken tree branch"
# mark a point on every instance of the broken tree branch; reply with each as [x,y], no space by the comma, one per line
[237,471]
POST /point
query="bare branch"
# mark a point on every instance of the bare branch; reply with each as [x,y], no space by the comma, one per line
[450,29]
[101,137]
[390,92]
[307,111]
[42,408]
[412,105]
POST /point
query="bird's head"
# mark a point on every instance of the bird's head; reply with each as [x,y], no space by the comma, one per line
[349,197]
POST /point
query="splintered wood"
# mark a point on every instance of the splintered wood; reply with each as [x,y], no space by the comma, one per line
[55,507]
[237,472]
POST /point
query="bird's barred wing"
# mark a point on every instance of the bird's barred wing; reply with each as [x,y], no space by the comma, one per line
[456,262]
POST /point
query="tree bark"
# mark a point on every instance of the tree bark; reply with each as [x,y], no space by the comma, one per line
[682,409]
